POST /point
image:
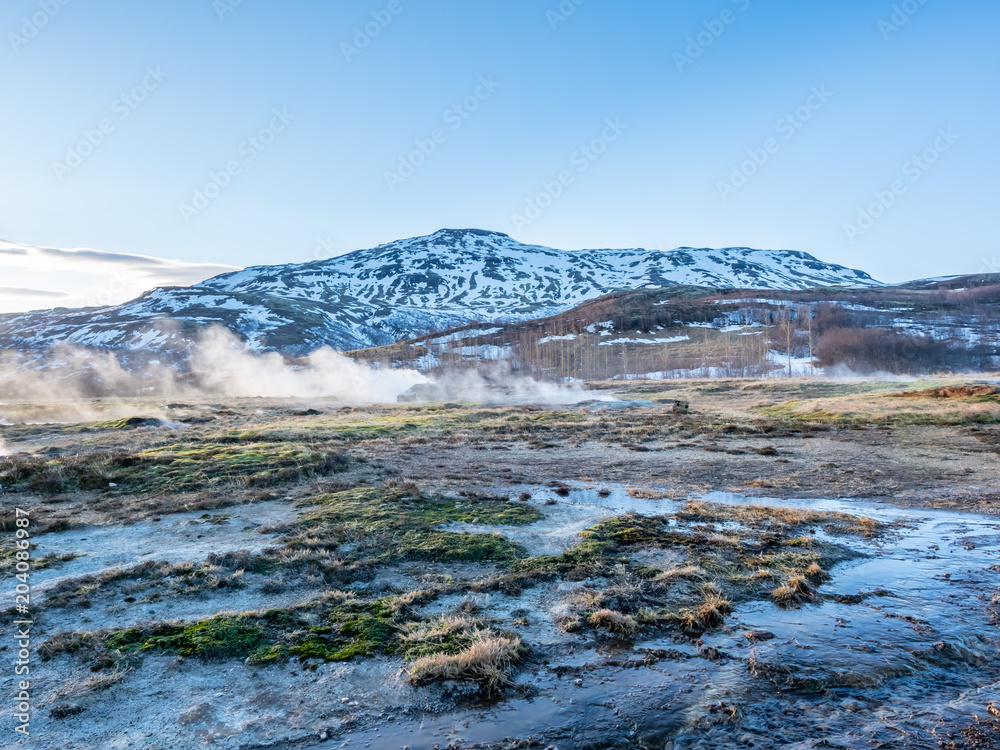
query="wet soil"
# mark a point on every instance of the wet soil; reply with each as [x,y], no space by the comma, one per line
[898,650]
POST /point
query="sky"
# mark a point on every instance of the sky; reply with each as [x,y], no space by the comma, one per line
[175,140]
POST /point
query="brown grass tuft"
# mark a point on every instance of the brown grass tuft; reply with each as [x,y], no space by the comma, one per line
[816,572]
[614,622]
[488,661]
[710,614]
[686,572]
[793,592]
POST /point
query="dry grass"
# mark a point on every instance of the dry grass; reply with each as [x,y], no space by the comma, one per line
[780,519]
[614,622]
[816,572]
[405,603]
[713,610]
[96,684]
[956,391]
[489,661]
[954,405]
[644,494]
[441,630]
[711,613]
[683,573]
[794,592]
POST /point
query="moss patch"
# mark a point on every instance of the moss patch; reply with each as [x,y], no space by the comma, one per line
[217,638]
[172,468]
[392,525]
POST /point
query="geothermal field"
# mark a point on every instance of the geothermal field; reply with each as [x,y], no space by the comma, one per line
[720,563]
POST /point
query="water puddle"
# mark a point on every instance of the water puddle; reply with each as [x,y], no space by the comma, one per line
[568,511]
[902,649]
[175,538]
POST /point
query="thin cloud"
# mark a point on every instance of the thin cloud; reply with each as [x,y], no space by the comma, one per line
[16,255]
[84,277]
[13,291]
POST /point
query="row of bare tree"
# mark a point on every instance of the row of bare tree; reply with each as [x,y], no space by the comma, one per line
[959,332]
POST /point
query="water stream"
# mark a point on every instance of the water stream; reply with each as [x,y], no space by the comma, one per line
[902,650]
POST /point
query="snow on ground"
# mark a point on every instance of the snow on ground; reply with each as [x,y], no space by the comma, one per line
[799,366]
[671,340]
[757,301]
[681,374]
[567,337]
[462,335]
[741,327]
[148,340]
[428,361]
[487,351]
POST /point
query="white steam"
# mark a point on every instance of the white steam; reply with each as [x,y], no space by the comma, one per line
[73,384]
[224,366]
[498,386]
[843,372]
[219,366]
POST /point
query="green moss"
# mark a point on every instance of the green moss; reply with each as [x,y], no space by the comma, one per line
[628,530]
[347,628]
[127,423]
[364,635]
[401,524]
[446,546]
[402,508]
[217,638]
[172,468]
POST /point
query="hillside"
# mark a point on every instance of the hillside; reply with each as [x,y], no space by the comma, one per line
[694,331]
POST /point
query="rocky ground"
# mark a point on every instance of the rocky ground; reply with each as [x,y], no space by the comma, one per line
[767,564]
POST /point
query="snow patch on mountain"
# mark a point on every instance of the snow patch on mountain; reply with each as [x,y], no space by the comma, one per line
[406,288]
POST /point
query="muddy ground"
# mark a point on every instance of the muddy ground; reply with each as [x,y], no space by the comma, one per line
[273,574]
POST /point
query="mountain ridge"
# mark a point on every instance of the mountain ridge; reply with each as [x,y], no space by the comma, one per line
[403,288]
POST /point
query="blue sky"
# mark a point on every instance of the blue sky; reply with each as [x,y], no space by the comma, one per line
[774,124]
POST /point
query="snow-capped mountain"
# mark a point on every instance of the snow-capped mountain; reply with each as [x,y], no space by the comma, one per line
[398,290]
